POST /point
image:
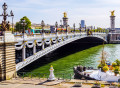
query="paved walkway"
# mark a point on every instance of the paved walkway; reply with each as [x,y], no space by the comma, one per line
[43,83]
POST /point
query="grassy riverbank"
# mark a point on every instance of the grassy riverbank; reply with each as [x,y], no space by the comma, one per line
[65,65]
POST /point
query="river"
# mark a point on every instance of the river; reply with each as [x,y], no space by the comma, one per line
[64,63]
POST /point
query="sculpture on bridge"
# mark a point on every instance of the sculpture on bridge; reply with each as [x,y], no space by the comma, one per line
[65,14]
[112,13]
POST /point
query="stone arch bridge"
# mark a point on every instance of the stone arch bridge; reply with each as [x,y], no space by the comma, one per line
[26,49]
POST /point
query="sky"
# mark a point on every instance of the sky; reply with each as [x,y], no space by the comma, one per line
[94,12]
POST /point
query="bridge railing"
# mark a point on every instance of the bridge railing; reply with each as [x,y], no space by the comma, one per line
[53,34]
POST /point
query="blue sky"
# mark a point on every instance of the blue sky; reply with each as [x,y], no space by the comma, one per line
[94,12]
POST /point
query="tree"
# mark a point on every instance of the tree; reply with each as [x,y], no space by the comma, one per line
[19,26]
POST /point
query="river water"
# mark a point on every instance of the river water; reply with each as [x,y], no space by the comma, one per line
[64,61]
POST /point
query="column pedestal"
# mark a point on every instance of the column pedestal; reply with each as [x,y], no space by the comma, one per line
[7,57]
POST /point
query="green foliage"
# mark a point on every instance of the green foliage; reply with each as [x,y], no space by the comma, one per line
[114,64]
[105,68]
[99,66]
[117,62]
[118,85]
[116,70]
[19,26]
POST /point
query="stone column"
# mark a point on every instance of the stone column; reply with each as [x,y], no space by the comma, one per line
[112,23]
[50,41]
[7,57]
[34,48]
[43,44]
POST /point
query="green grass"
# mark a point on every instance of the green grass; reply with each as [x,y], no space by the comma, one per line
[87,57]
[66,64]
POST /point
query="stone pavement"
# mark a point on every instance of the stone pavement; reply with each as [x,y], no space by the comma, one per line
[43,83]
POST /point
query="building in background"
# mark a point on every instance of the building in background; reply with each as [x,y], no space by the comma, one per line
[82,23]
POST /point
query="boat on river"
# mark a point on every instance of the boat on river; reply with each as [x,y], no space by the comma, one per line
[89,73]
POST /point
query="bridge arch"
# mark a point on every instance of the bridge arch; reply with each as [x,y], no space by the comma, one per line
[92,39]
[65,40]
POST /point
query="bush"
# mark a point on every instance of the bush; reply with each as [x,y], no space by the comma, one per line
[105,68]
[117,62]
[99,66]
[114,64]
[116,70]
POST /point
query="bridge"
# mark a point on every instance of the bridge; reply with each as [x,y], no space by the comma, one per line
[48,43]
[21,50]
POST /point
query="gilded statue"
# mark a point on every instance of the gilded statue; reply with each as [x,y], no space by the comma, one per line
[65,14]
[112,13]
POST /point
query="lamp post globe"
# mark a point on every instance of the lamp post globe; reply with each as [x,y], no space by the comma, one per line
[4,6]
[11,13]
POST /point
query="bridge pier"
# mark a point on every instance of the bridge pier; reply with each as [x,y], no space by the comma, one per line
[113,38]
[7,57]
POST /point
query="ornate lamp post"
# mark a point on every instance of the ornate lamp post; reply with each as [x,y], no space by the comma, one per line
[56,26]
[67,28]
[61,25]
[61,28]
[24,47]
[85,28]
[12,19]
[74,28]
[42,25]
[5,27]
[94,28]
[80,27]
[5,15]
[23,24]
